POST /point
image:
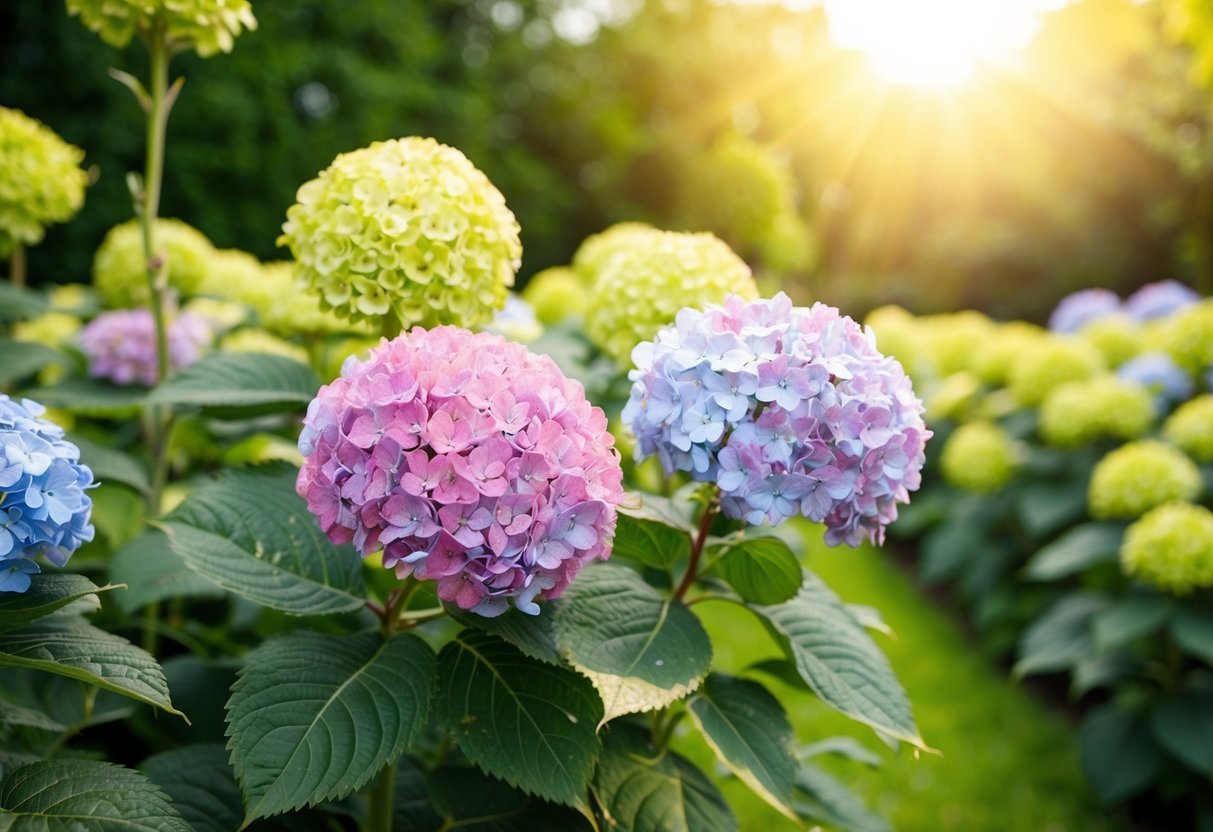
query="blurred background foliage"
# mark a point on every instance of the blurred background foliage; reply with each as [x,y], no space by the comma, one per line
[1087,164]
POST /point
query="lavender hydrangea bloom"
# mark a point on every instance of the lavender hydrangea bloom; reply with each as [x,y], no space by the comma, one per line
[121,345]
[1160,374]
[470,461]
[788,410]
[1076,310]
[43,507]
[1159,300]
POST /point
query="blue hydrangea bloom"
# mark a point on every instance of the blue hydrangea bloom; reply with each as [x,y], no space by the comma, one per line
[1160,374]
[788,410]
[43,506]
[1076,310]
[1159,300]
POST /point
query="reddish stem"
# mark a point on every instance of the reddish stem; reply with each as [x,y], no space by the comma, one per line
[701,537]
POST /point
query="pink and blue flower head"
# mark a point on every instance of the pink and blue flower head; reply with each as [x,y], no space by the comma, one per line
[1158,372]
[469,461]
[43,506]
[1159,300]
[1076,310]
[788,410]
[121,345]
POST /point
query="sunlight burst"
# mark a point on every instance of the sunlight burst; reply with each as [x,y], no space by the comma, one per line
[932,43]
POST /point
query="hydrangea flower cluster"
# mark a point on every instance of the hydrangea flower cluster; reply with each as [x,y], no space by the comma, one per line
[121,345]
[1159,300]
[1076,310]
[1138,476]
[997,354]
[788,410]
[1160,375]
[43,506]
[641,286]
[1190,428]
[1048,364]
[120,267]
[979,456]
[1116,337]
[41,182]
[596,249]
[954,339]
[206,26]
[408,226]
[1171,547]
[1188,337]
[556,293]
[470,461]
[1081,411]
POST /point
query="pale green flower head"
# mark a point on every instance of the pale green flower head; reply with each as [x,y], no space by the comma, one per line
[41,182]
[641,288]
[1138,476]
[1080,411]
[952,398]
[597,249]
[205,26]
[407,226]
[1050,363]
[260,341]
[1190,428]
[1117,337]
[1188,336]
[736,189]
[997,354]
[52,329]
[897,335]
[953,339]
[979,456]
[1171,547]
[285,307]
[555,294]
[120,268]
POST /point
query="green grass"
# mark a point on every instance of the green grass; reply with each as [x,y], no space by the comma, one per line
[1006,762]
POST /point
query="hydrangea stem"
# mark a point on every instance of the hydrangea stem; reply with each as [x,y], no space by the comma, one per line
[16,271]
[697,546]
[379,812]
[153,176]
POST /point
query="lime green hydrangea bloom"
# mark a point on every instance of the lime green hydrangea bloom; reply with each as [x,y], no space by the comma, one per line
[897,335]
[120,269]
[953,340]
[286,308]
[72,297]
[1188,336]
[220,315]
[1115,336]
[1049,364]
[52,329]
[1190,428]
[41,182]
[1138,476]
[555,294]
[997,354]
[408,226]
[1105,406]
[1171,548]
[951,398]
[260,341]
[599,248]
[232,274]
[736,189]
[641,288]
[979,456]
[206,26]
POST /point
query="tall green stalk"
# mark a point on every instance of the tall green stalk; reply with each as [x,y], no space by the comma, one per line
[16,271]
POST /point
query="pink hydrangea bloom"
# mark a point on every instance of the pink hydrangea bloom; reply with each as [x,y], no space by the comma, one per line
[121,345]
[470,461]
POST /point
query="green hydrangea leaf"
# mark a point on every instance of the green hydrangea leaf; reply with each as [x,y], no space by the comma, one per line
[84,796]
[641,650]
[525,721]
[313,717]
[18,303]
[1077,550]
[109,465]
[644,789]
[239,385]
[1118,756]
[1183,724]
[650,541]
[91,397]
[201,784]
[1061,637]
[534,635]
[839,660]
[749,731]
[826,800]
[23,359]
[152,571]
[763,570]
[1132,617]
[1193,631]
[250,533]
[48,593]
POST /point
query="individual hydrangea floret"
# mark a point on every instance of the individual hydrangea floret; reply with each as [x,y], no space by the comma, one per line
[1187,337]
[120,266]
[1048,364]
[205,26]
[1190,428]
[555,294]
[44,509]
[470,461]
[121,345]
[41,182]
[788,410]
[1076,310]
[1159,300]
[1138,476]
[640,288]
[1160,375]
[1171,547]
[1105,406]
[979,456]
[408,226]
